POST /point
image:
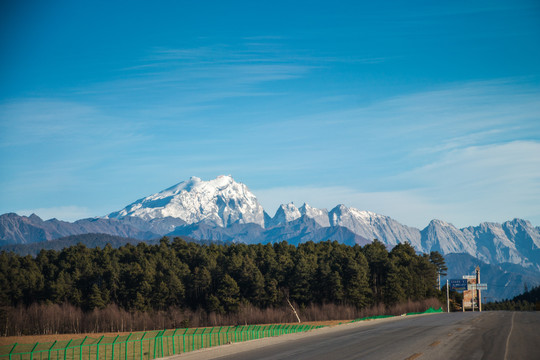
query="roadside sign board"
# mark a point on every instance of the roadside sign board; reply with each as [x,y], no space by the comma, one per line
[477,287]
[469,277]
[458,284]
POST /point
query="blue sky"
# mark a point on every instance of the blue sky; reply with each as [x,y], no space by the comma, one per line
[416,110]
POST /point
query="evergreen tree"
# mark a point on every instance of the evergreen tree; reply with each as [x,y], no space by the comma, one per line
[438,260]
[229,294]
[95,298]
[377,257]
[219,277]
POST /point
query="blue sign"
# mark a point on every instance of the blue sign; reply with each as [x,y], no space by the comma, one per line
[458,284]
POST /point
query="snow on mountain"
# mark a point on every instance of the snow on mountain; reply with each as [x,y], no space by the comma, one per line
[284,214]
[319,215]
[222,209]
[524,231]
[446,238]
[492,243]
[515,242]
[374,226]
[219,202]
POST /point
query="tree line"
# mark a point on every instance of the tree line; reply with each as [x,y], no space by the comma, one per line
[217,278]
[528,301]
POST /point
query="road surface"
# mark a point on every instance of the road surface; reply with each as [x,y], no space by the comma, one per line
[487,335]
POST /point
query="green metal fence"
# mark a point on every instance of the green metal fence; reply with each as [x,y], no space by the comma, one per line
[144,345]
[428,311]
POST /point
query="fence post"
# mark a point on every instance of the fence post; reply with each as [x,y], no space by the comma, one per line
[202,339]
[54,343]
[97,350]
[162,351]
[219,335]
[116,338]
[184,339]
[161,340]
[210,337]
[155,345]
[126,342]
[160,335]
[173,348]
[142,353]
[80,347]
[65,349]
[193,340]
[31,352]
[13,348]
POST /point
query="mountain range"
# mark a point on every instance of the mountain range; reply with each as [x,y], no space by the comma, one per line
[225,210]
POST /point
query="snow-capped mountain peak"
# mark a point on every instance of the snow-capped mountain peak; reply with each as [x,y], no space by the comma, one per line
[319,215]
[446,238]
[222,202]
[219,202]
[284,214]
[374,226]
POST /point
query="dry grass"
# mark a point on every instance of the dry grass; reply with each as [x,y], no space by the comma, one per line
[112,320]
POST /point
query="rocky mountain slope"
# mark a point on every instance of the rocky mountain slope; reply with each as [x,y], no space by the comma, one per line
[222,209]
[15,229]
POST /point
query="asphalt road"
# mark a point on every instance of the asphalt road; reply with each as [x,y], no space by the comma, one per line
[487,335]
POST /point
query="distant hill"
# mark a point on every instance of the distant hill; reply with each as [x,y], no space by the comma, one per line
[504,280]
[15,229]
[88,240]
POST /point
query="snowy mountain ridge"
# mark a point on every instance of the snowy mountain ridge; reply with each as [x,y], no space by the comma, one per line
[223,202]
[219,202]
[222,209]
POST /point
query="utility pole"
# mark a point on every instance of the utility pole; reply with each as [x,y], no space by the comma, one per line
[447,297]
[479,294]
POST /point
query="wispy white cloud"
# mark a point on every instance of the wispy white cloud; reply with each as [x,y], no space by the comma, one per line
[53,121]
[206,73]
[466,186]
